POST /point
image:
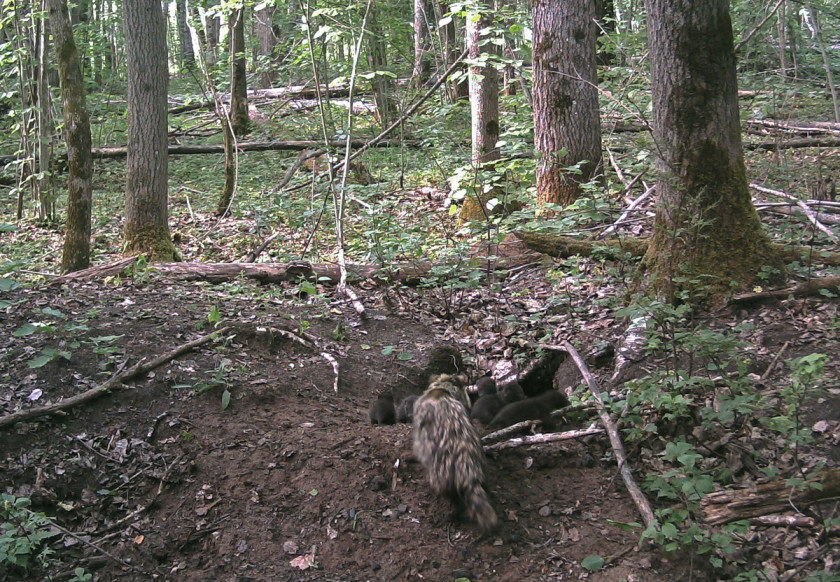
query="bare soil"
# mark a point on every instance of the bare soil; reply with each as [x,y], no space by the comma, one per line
[290,481]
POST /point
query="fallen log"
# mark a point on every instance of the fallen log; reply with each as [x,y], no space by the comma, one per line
[256,146]
[567,246]
[776,496]
[812,288]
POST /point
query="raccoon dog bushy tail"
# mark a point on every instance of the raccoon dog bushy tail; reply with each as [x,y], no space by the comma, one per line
[448,446]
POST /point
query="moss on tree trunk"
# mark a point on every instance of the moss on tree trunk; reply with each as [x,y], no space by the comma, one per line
[707,236]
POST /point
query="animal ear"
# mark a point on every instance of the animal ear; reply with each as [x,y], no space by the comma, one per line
[461,380]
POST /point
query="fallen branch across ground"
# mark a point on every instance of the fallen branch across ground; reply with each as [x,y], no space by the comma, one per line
[812,288]
[115,382]
[615,440]
[536,439]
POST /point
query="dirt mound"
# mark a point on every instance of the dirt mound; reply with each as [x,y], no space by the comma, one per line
[288,481]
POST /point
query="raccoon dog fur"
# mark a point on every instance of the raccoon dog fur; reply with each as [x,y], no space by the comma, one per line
[448,446]
[488,405]
[536,408]
[382,410]
[405,411]
[485,386]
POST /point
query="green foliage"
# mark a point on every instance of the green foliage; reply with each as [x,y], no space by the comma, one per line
[23,533]
[667,407]
[592,563]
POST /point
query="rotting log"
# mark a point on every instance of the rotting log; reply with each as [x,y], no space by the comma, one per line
[774,497]
[568,246]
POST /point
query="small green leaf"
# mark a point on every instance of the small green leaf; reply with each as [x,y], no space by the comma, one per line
[365,347]
[313,493]
[406,356]
[53,312]
[40,361]
[308,288]
[25,330]
[592,563]
[388,350]
[214,316]
[225,399]
[8,284]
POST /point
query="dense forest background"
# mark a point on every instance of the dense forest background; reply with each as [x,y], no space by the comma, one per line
[225,228]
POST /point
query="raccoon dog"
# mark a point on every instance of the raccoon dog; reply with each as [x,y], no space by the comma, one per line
[405,411]
[447,445]
[382,410]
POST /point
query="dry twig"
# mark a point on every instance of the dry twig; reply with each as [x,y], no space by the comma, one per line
[537,439]
[615,440]
[115,382]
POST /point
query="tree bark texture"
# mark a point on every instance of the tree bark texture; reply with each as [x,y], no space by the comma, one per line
[484,107]
[238,80]
[76,252]
[378,62]
[422,44]
[147,165]
[226,198]
[460,85]
[184,36]
[268,42]
[706,226]
[567,125]
[212,31]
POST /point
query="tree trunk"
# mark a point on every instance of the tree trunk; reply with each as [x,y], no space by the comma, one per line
[184,37]
[212,31]
[378,62]
[226,198]
[76,253]
[567,127]
[268,42]
[238,80]
[707,233]
[422,44]
[146,197]
[460,85]
[484,106]
[46,196]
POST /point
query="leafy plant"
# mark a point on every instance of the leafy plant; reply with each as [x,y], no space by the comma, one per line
[23,533]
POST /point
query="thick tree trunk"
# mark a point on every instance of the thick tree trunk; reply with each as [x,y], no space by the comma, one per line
[76,252]
[238,80]
[212,31]
[484,106]
[268,42]
[707,232]
[146,197]
[567,126]
[184,37]
[422,43]
[381,83]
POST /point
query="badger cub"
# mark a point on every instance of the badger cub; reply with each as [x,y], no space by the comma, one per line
[448,446]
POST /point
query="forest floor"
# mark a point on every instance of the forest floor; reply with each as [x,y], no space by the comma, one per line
[165,479]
